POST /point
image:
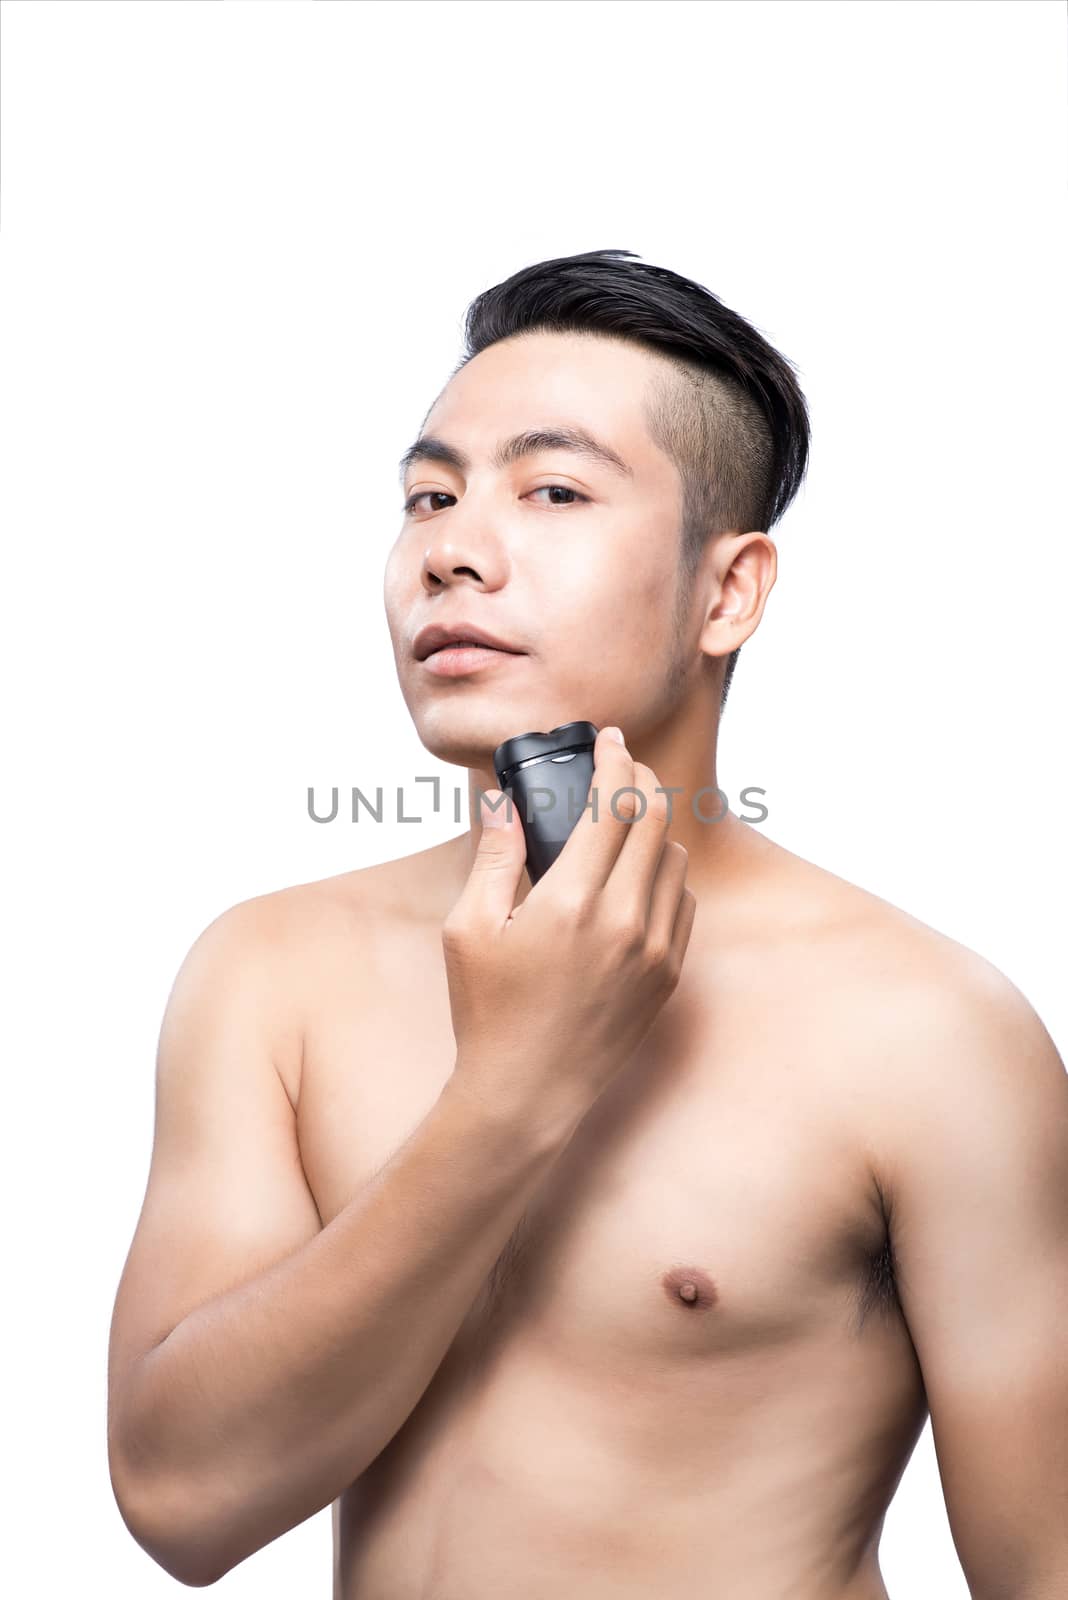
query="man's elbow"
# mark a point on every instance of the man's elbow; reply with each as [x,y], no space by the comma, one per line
[159,1520]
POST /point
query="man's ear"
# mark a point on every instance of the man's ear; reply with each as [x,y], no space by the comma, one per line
[741,573]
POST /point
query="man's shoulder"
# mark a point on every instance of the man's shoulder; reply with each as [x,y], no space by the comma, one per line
[933,1022]
[312,949]
[926,1033]
[358,902]
[883,949]
[908,990]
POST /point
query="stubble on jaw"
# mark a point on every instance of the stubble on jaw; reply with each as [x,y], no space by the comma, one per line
[679,664]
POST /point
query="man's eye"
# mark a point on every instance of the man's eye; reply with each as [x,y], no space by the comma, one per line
[566,488]
[427,494]
[440,494]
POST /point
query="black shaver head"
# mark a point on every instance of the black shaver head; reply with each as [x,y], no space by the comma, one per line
[547,776]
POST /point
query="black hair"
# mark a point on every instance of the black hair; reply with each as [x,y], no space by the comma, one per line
[731,415]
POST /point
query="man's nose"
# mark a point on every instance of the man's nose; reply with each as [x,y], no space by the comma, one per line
[454,558]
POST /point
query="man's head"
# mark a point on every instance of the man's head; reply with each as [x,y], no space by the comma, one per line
[628,582]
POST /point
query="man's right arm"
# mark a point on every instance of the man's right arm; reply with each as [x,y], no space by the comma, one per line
[259,1363]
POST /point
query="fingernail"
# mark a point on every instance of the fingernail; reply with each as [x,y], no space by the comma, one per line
[616,734]
[493,815]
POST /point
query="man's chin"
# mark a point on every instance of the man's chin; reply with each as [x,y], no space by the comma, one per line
[468,736]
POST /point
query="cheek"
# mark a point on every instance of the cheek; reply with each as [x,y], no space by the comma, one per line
[629,595]
[624,567]
[607,642]
[394,583]
[655,583]
[393,563]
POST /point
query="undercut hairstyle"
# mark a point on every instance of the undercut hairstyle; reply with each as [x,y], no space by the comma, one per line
[727,409]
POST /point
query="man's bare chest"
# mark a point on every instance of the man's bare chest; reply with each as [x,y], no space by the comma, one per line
[713,1202]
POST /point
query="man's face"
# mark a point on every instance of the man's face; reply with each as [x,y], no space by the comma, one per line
[568,559]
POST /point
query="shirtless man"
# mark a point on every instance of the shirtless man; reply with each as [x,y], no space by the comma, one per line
[608,1238]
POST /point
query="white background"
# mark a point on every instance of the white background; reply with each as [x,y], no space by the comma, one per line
[237,241]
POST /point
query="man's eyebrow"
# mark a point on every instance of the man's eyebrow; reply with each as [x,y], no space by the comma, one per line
[527,443]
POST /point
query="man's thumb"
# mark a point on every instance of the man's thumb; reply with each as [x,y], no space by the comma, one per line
[500,857]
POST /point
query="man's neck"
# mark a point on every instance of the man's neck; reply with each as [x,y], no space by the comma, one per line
[682,754]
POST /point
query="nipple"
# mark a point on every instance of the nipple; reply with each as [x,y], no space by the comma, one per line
[690,1286]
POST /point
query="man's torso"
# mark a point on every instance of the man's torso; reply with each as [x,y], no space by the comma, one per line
[592,1430]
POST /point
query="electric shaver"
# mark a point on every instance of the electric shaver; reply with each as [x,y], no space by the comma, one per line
[547,776]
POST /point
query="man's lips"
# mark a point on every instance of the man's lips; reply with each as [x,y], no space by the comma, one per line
[457,660]
[440,635]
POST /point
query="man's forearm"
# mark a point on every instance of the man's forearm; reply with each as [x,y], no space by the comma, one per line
[264,1403]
